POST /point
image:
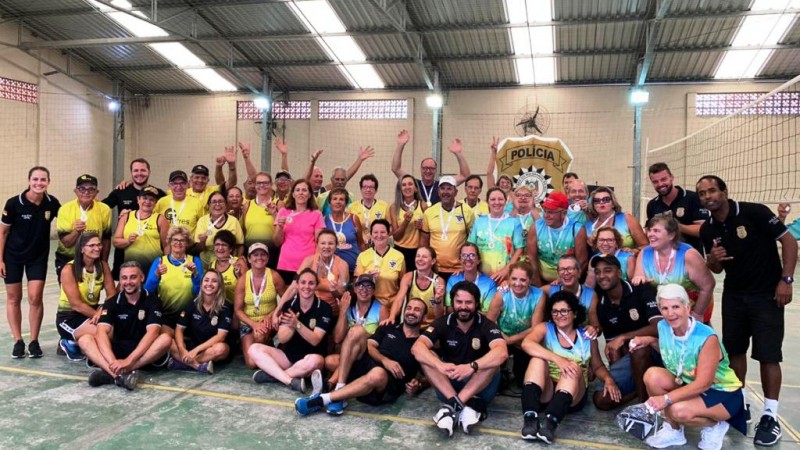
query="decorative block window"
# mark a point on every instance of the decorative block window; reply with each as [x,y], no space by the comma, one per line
[291,110]
[18,90]
[363,109]
[780,104]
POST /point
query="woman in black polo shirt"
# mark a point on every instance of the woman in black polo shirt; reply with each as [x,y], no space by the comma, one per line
[25,247]
[202,328]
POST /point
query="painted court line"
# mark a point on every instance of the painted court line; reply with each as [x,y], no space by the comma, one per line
[290,405]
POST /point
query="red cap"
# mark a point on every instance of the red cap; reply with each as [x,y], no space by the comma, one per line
[555,201]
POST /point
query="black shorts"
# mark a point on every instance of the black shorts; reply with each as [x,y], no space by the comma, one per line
[244,329]
[170,319]
[122,349]
[394,387]
[61,261]
[755,316]
[69,321]
[35,270]
[292,356]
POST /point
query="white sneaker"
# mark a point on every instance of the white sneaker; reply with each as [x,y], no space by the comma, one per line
[666,437]
[445,420]
[711,437]
[316,382]
[469,417]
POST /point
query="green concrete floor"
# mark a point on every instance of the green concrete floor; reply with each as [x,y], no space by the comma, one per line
[48,404]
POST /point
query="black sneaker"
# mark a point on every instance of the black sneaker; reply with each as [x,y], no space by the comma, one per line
[298,384]
[747,417]
[99,377]
[768,431]
[19,350]
[547,430]
[261,377]
[128,380]
[530,426]
[34,350]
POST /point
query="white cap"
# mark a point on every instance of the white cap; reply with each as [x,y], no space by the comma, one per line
[448,179]
[673,292]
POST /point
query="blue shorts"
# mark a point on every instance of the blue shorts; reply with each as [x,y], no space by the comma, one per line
[487,394]
[733,402]
[622,373]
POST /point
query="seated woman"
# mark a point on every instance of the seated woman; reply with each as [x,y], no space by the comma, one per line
[82,279]
[202,329]
[604,209]
[229,266]
[215,221]
[256,298]
[422,284]
[667,260]
[557,374]
[516,309]
[304,323]
[696,387]
[608,241]
[498,236]
[332,271]
[569,275]
[176,277]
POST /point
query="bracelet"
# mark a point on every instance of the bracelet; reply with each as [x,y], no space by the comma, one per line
[667,400]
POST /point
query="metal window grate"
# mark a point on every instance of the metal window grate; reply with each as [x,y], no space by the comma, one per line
[291,110]
[723,104]
[19,91]
[363,109]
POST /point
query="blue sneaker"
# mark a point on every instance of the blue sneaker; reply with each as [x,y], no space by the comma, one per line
[303,407]
[71,350]
[335,408]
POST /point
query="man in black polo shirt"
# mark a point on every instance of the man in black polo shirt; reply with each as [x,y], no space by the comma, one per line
[24,249]
[623,312]
[381,373]
[128,333]
[739,238]
[466,371]
[125,197]
[684,205]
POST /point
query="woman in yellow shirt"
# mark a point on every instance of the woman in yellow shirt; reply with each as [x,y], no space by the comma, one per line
[405,215]
[216,220]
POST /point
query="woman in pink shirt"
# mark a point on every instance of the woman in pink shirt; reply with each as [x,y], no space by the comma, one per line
[296,229]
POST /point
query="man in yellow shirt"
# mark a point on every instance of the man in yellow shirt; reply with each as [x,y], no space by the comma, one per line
[369,208]
[200,190]
[445,227]
[84,214]
[177,206]
[473,186]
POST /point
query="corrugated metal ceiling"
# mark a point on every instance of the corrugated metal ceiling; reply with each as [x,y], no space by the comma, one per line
[468,41]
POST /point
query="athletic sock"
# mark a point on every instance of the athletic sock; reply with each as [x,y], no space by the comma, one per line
[338,386]
[531,397]
[771,408]
[559,405]
[326,399]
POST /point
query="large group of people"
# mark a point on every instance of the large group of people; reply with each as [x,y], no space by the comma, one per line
[340,298]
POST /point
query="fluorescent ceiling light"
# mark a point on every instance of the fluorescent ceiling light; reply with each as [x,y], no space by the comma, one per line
[434,101]
[211,80]
[178,55]
[639,97]
[317,15]
[762,29]
[364,76]
[344,48]
[738,64]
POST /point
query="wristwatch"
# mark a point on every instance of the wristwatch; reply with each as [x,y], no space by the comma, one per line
[788,279]
[474,366]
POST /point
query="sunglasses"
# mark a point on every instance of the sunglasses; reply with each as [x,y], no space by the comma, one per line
[601,200]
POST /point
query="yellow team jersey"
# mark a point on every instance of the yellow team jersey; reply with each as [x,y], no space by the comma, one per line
[448,232]
[426,295]
[481,209]
[226,222]
[259,224]
[97,218]
[269,297]
[147,247]
[411,237]
[202,197]
[184,212]
[89,295]
[175,287]
[379,210]
[392,266]
[228,277]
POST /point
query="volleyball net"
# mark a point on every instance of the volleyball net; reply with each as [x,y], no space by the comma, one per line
[750,140]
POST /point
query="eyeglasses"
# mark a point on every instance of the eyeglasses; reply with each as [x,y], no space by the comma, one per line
[263,183]
[567,269]
[469,256]
[368,187]
[93,245]
[365,287]
[601,200]
[560,312]
[217,202]
[86,190]
[178,241]
[428,168]
[524,196]
[219,244]
[177,183]
[606,241]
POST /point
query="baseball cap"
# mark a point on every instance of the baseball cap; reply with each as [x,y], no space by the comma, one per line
[556,200]
[672,292]
[447,179]
[608,259]
[364,279]
[86,178]
[177,174]
[257,246]
[283,173]
[200,170]
[149,190]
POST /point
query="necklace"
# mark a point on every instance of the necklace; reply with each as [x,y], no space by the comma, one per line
[492,229]
[257,295]
[427,193]
[90,282]
[683,339]
[577,347]
[662,275]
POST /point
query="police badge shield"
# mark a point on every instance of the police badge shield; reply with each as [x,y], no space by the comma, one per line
[741,232]
[634,313]
[141,314]
[476,344]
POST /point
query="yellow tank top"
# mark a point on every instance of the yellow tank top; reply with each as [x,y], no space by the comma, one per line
[229,278]
[205,224]
[426,295]
[175,286]
[411,237]
[90,298]
[269,298]
[259,225]
[147,247]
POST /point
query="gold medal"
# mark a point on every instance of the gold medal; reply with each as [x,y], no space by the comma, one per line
[678,380]
[331,277]
[429,204]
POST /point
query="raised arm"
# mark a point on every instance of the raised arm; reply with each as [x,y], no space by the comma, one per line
[463,168]
[248,163]
[397,157]
[364,154]
[230,158]
[490,182]
[314,157]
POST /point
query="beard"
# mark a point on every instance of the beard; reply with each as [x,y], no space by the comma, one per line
[460,315]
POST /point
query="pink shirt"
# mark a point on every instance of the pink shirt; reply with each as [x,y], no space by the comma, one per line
[299,232]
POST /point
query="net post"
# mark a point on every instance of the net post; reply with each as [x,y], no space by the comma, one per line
[266,126]
[118,171]
[436,144]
